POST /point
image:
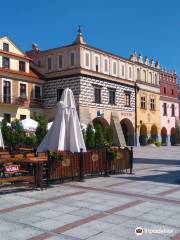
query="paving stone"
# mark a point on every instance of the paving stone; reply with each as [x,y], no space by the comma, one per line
[62,237]
[48,224]
[82,232]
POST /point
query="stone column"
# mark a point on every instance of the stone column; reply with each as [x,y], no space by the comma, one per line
[137,140]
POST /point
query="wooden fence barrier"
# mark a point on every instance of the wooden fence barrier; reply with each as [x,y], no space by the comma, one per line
[90,163]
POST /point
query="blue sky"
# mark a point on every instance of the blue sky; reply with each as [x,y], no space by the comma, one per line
[151,27]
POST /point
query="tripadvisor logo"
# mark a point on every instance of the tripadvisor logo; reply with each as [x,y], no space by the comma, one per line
[139,231]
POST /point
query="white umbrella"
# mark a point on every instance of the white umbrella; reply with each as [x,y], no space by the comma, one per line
[1,140]
[49,125]
[65,133]
[29,124]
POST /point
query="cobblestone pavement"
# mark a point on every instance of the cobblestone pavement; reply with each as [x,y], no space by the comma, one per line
[103,208]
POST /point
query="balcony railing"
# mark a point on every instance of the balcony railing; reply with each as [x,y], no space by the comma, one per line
[36,103]
[12,100]
[22,101]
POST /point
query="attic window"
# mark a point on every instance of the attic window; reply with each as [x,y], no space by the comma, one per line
[6,47]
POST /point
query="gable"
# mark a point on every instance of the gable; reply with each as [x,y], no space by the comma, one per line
[12,46]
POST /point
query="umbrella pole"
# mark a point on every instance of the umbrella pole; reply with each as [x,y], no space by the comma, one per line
[81,167]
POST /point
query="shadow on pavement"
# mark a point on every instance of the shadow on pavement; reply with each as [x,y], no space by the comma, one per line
[156,161]
[169,177]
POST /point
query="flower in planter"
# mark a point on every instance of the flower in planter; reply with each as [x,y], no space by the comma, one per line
[23,97]
[56,156]
[111,155]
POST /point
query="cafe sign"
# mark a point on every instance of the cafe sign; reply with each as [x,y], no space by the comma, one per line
[12,168]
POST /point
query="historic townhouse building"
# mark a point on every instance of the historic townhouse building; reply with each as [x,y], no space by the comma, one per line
[20,86]
[146,75]
[169,107]
[103,85]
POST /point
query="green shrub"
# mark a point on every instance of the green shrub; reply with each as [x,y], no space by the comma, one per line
[14,135]
[31,140]
[109,135]
[41,129]
[6,133]
[157,143]
[18,133]
[90,136]
[99,135]
[151,141]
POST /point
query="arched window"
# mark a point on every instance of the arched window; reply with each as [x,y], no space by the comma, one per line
[150,78]
[155,79]
[138,74]
[172,110]
[144,75]
[130,72]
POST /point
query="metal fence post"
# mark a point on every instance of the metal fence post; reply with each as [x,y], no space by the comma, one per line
[48,168]
[107,164]
[131,160]
[81,167]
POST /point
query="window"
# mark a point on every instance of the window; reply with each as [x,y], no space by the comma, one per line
[165,109]
[130,72]
[164,90]
[49,63]
[114,68]
[106,65]
[97,63]
[61,61]
[7,117]
[150,77]
[122,70]
[6,62]
[59,94]
[22,117]
[22,66]
[112,96]
[127,99]
[23,90]
[7,91]
[144,75]
[172,110]
[155,78]
[143,102]
[37,92]
[97,95]
[172,92]
[6,47]
[72,59]
[138,74]
[87,62]
[152,104]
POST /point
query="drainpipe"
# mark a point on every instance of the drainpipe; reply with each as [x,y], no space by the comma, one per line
[136,114]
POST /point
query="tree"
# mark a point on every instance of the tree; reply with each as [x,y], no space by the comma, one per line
[31,140]
[90,136]
[18,133]
[109,135]
[41,129]
[99,135]
[13,135]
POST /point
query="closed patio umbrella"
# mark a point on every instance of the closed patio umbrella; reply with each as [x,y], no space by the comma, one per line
[1,140]
[65,133]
